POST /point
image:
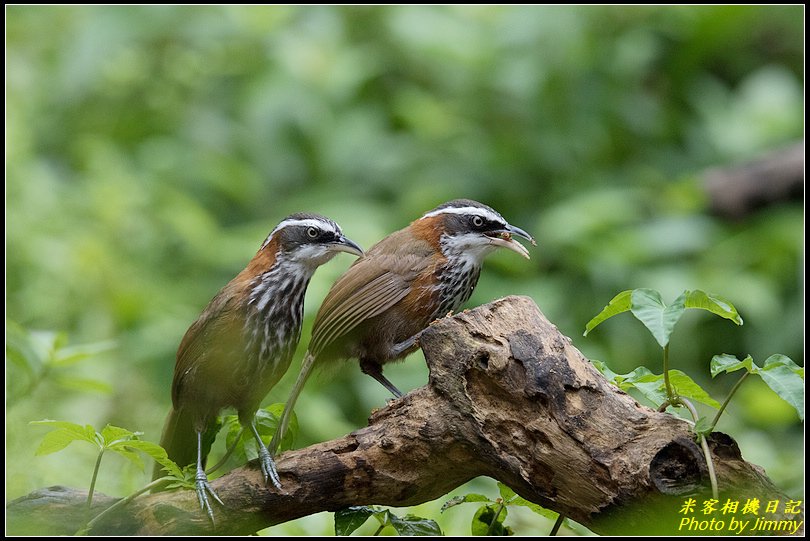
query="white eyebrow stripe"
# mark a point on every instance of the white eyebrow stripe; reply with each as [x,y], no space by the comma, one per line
[484,213]
[307,222]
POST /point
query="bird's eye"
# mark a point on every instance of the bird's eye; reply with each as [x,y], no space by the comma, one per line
[477,221]
[312,232]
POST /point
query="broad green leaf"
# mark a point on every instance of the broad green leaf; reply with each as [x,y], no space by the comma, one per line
[413,525]
[112,434]
[127,452]
[687,387]
[783,360]
[485,522]
[786,379]
[69,355]
[609,374]
[506,492]
[156,452]
[84,384]
[349,519]
[653,388]
[456,500]
[539,509]
[19,349]
[64,435]
[266,423]
[618,304]
[660,319]
[729,363]
[712,303]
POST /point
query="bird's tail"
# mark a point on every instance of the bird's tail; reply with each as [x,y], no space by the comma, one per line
[179,439]
[306,368]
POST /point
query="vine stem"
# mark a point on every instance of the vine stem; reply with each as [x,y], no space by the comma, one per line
[124,501]
[93,480]
[670,395]
[495,518]
[705,445]
[557,524]
[228,452]
[728,399]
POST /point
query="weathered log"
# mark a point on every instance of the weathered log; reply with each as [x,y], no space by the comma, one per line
[509,397]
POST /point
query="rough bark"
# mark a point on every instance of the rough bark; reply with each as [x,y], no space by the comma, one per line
[509,397]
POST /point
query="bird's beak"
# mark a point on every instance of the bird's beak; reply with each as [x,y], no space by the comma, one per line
[504,238]
[343,244]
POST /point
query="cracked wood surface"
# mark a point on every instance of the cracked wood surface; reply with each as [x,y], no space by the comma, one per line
[508,397]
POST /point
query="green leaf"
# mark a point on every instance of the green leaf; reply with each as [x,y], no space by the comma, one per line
[84,384]
[65,434]
[703,426]
[349,519]
[786,379]
[539,509]
[127,452]
[267,420]
[485,522]
[729,363]
[618,304]
[687,387]
[112,434]
[506,492]
[456,500]
[156,452]
[712,303]
[609,374]
[70,355]
[413,525]
[653,388]
[660,319]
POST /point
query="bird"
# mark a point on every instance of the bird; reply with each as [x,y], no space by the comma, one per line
[243,341]
[377,309]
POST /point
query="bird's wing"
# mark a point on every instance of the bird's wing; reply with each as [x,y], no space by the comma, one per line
[214,332]
[375,283]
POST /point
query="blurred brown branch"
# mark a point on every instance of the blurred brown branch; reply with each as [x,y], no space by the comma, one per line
[737,191]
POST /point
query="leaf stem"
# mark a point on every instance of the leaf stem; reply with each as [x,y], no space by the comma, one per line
[228,452]
[93,480]
[728,399]
[706,451]
[124,501]
[670,395]
[495,518]
[557,525]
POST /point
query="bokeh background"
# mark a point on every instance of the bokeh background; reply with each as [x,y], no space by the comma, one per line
[149,151]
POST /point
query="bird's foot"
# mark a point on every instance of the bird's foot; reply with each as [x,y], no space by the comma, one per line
[268,466]
[203,489]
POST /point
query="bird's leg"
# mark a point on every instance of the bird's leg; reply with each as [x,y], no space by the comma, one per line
[375,371]
[266,461]
[406,345]
[201,482]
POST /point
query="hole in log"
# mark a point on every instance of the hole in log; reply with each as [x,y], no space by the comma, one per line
[678,468]
[482,359]
[724,446]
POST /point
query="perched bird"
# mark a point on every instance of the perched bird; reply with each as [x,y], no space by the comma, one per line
[377,309]
[243,342]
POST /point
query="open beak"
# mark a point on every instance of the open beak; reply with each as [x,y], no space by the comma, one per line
[343,244]
[504,239]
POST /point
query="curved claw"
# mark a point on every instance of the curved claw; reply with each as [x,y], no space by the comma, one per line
[268,466]
[202,486]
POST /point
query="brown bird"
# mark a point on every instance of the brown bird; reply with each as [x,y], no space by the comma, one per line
[243,342]
[377,309]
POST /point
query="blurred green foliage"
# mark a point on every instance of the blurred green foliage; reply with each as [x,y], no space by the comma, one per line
[150,150]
